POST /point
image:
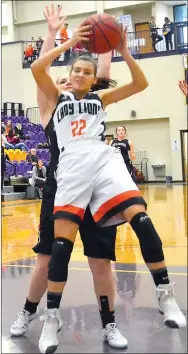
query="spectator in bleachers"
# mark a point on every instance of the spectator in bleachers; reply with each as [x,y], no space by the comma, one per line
[154,33]
[8,126]
[14,139]
[32,157]
[29,53]
[2,125]
[19,132]
[168,30]
[2,165]
[39,44]
[64,37]
[38,176]
[4,141]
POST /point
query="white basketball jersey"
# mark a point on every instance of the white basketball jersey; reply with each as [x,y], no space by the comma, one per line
[78,119]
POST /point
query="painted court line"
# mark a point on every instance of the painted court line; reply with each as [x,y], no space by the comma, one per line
[87,269]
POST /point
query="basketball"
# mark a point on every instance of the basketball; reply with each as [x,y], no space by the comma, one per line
[105,36]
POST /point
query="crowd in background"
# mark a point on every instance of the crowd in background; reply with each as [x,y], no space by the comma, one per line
[168,31]
[32,50]
[13,138]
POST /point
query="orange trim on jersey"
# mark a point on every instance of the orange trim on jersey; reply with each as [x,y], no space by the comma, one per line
[70,209]
[113,202]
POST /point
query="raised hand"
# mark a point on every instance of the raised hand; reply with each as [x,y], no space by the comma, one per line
[122,46]
[54,19]
[183,87]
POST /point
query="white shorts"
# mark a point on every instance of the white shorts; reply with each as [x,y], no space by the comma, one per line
[91,172]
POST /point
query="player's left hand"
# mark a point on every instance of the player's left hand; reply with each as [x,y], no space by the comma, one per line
[54,18]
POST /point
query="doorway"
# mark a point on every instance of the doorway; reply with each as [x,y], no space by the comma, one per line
[143,36]
[184,142]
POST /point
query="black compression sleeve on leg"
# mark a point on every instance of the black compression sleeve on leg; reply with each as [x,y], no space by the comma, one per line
[61,253]
[150,242]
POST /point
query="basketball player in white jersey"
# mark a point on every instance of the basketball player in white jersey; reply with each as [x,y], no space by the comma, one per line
[86,174]
[100,252]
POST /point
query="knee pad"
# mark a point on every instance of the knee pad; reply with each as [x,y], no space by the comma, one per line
[61,253]
[150,242]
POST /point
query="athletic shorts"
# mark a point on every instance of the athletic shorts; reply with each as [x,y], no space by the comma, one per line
[91,172]
[97,242]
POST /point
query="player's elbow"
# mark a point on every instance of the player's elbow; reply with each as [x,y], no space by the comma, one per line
[35,68]
[142,85]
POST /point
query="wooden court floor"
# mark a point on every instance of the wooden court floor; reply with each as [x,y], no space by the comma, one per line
[135,302]
[167,206]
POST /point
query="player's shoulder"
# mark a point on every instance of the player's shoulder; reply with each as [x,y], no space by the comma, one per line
[65,96]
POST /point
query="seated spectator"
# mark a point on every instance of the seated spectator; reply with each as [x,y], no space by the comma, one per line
[38,176]
[8,126]
[4,157]
[4,141]
[13,139]
[19,132]
[32,157]
[2,165]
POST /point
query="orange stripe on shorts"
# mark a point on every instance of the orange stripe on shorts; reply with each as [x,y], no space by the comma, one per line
[113,202]
[70,209]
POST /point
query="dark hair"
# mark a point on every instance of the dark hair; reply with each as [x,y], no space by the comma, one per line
[37,165]
[121,126]
[103,84]
[2,129]
[10,133]
[84,57]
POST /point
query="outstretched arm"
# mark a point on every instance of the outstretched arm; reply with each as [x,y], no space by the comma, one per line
[54,24]
[139,81]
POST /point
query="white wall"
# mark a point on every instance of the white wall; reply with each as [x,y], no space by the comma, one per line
[28,30]
[161,99]
[29,19]
[153,136]
[29,11]
[139,14]
[115,4]
[10,32]
[4,34]
[162,11]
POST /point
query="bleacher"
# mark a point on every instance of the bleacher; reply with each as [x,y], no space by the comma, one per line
[18,169]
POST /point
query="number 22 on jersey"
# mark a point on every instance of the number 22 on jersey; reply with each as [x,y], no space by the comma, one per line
[78,127]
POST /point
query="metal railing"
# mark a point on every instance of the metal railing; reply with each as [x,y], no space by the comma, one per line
[140,42]
[33,114]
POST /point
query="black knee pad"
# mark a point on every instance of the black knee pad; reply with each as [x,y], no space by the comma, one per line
[61,253]
[150,242]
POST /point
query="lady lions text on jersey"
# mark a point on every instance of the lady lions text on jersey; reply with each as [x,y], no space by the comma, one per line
[79,119]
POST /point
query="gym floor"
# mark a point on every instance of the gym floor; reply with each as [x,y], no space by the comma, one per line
[136,313]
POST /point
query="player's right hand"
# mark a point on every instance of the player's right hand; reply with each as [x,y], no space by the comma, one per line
[81,34]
